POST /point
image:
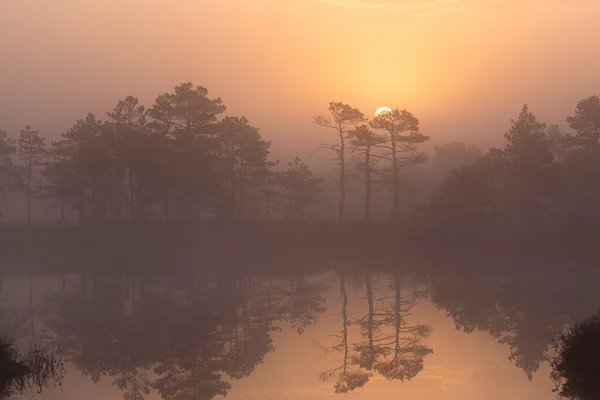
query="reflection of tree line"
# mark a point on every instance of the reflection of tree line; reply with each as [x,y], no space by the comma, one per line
[188,337]
[523,311]
[185,338]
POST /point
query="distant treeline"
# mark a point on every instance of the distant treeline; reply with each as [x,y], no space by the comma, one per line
[541,181]
[180,160]
[176,160]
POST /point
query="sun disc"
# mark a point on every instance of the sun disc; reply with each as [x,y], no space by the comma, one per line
[382,110]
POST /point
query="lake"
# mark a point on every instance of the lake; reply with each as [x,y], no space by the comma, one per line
[471,334]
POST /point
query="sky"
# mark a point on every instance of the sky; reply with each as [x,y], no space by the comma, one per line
[463,67]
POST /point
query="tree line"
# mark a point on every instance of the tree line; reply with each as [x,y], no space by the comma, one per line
[541,181]
[181,159]
[175,160]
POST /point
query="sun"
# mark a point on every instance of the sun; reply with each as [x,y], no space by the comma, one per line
[382,110]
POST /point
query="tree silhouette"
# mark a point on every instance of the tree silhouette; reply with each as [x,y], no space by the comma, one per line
[84,150]
[342,119]
[530,166]
[401,129]
[363,140]
[131,162]
[189,118]
[300,188]
[245,165]
[32,152]
[518,188]
[60,181]
[586,122]
[575,367]
[30,371]
[9,176]
[580,156]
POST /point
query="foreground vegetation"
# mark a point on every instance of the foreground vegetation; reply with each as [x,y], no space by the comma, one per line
[29,371]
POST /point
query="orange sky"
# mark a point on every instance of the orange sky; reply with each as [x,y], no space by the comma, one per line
[464,67]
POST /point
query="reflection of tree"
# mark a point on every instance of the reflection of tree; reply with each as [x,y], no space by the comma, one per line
[347,378]
[190,366]
[304,303]
[523,312]
[129,373]
[15,323]
[190,333]
[84,322]
[249,327]
[389,345]
[402,349]
[367,352]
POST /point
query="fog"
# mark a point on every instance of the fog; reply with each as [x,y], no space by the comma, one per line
[300,199]
[463,67]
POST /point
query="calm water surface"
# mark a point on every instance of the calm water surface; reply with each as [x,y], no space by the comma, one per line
[466,336]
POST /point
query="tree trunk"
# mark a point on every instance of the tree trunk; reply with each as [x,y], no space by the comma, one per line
[344,343]
[81,205]
[231,208]
[242,189]
[94,203]
[80,189]
[342,201]
[395,186]
[118,199]
[29,168]
[131,196]
[397,315]
[368,185]
[370,320]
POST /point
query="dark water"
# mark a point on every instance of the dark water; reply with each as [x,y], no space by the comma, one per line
[470,335]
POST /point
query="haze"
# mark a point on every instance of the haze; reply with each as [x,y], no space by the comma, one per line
[299,199]
[465,67]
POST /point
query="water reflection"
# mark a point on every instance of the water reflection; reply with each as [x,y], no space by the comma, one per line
[389,345]
[200,335]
